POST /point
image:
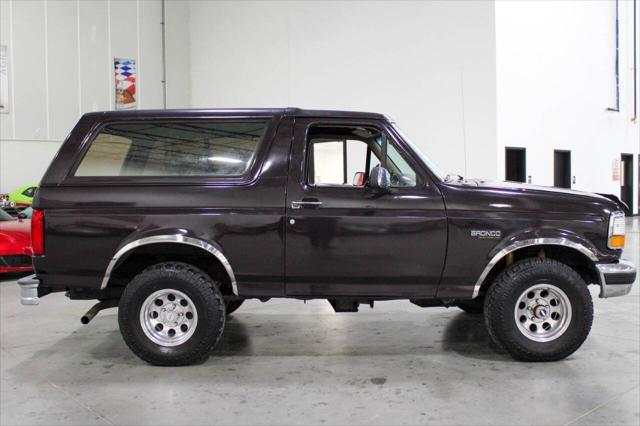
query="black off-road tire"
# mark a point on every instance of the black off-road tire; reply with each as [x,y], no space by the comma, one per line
[473,307]
[233,305]
[206,297]
[503,294]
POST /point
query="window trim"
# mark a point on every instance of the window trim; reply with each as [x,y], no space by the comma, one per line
[247,178]
[421,181]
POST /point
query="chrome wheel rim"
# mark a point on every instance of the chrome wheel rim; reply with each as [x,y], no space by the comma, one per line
[543,312]
[168,317]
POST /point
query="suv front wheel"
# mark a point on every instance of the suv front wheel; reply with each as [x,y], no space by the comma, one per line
[539,310]
[171,314]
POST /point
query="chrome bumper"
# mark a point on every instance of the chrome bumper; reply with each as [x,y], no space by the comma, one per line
[29,290]
[616,279]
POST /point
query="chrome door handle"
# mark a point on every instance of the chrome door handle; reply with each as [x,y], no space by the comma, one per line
[305,204]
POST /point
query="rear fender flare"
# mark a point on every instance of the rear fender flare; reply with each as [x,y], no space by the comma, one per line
[211,248]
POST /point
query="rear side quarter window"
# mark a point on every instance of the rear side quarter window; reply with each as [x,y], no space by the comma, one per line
[177,148]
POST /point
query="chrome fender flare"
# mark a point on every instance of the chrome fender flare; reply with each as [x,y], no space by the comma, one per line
[565,242]
[172,238]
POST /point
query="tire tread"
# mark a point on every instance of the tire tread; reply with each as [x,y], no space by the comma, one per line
[495,309]
[202,283]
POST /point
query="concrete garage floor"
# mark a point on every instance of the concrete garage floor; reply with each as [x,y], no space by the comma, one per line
[284,362]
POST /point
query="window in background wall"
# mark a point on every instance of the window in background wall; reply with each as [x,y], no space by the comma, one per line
[626,179]
[515,164]
[562,168]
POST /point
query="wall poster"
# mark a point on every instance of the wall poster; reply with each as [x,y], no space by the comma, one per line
[4,80]
[615,170]
[125,84]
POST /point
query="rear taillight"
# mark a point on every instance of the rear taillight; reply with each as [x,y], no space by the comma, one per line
[37,232]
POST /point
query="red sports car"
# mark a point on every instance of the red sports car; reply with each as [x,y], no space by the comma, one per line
[15,243]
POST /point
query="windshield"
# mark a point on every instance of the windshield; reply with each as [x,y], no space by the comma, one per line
[26,213]
[5,216]
[426,160]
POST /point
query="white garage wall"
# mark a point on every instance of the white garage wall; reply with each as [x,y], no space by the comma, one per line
[430,65]
[556,78]
[178,54]
[61,66]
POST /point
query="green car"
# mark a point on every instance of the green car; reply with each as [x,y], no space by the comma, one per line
[23,196]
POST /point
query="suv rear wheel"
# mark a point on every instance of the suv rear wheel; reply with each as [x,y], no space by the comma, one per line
[539,310]
[171,314]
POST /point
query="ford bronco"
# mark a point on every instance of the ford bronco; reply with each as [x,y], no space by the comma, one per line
[177,216]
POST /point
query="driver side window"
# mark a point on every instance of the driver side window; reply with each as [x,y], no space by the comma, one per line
[345,156]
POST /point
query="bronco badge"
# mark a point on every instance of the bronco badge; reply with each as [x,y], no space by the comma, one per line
[486,234]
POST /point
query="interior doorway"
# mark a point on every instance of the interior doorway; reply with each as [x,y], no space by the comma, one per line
[562,168]
[626,179]
[515,164]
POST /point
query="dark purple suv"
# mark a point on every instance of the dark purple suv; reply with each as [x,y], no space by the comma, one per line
[177,217]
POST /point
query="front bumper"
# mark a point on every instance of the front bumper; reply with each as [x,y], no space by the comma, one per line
[616,279]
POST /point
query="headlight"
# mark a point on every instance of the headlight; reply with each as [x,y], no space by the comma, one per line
[616,231]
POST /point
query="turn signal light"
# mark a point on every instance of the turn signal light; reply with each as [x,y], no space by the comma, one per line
[616,230]
[616,241]
[37,232]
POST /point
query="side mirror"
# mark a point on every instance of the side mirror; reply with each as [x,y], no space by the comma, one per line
[380,179]
[22,216]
